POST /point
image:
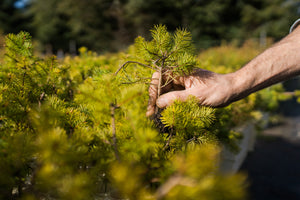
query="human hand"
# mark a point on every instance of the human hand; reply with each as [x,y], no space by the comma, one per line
[211,89]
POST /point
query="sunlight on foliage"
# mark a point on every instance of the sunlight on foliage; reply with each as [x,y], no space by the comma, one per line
[72,129]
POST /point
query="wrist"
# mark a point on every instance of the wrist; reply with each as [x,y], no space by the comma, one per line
[240,87]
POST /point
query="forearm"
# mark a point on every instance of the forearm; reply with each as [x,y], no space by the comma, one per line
[276,64]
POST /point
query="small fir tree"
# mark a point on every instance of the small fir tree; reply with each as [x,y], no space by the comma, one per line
[167,54]
[173,55]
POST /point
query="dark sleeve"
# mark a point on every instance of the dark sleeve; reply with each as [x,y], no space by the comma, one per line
[295,24]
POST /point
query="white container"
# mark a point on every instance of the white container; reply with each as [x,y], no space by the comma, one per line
[231,162]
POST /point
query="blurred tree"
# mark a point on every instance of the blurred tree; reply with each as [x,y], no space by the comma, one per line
[93,23]
[270,17]
[12,19]
[105,25]
[51,26]
[214,21]
[90,21]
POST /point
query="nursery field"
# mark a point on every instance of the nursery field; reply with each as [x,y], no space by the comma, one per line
[73,128]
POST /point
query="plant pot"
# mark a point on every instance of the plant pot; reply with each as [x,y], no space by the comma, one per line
[230,161]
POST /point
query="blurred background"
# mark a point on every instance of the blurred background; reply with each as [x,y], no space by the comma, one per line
[112,25]
[62,26]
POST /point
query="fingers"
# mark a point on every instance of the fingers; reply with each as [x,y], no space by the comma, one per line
[152,94]
[168,98]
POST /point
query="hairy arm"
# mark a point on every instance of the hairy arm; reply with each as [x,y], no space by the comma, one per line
[278,63]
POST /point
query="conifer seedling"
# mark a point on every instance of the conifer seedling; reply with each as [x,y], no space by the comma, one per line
[173,55]
[169,54]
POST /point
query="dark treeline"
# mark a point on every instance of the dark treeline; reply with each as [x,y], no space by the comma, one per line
[111,25]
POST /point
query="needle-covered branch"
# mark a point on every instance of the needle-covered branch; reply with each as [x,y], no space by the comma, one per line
[133,62]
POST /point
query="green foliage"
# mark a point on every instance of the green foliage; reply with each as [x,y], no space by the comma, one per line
[194,170]
[27,81]
[195,175]
[37,116]
[188,115]
[71,129]
[189,123]
[18,46]
[166,52]
[297,94]
[229,57]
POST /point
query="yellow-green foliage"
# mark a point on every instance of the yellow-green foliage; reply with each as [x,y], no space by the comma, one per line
[164,53]
[194,175]
[297,94]
[2,41]
[197,173]
[71,129]
[229,57]
[189,123]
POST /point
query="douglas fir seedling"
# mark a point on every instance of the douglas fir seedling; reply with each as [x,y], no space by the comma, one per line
[171,55]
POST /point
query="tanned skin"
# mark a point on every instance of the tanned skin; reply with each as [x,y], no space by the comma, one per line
[278,63]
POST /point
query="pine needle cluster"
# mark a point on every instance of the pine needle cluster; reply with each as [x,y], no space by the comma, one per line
[166,53]
[188,115]
[188,123]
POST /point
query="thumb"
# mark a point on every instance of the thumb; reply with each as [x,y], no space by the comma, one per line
[168,98]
